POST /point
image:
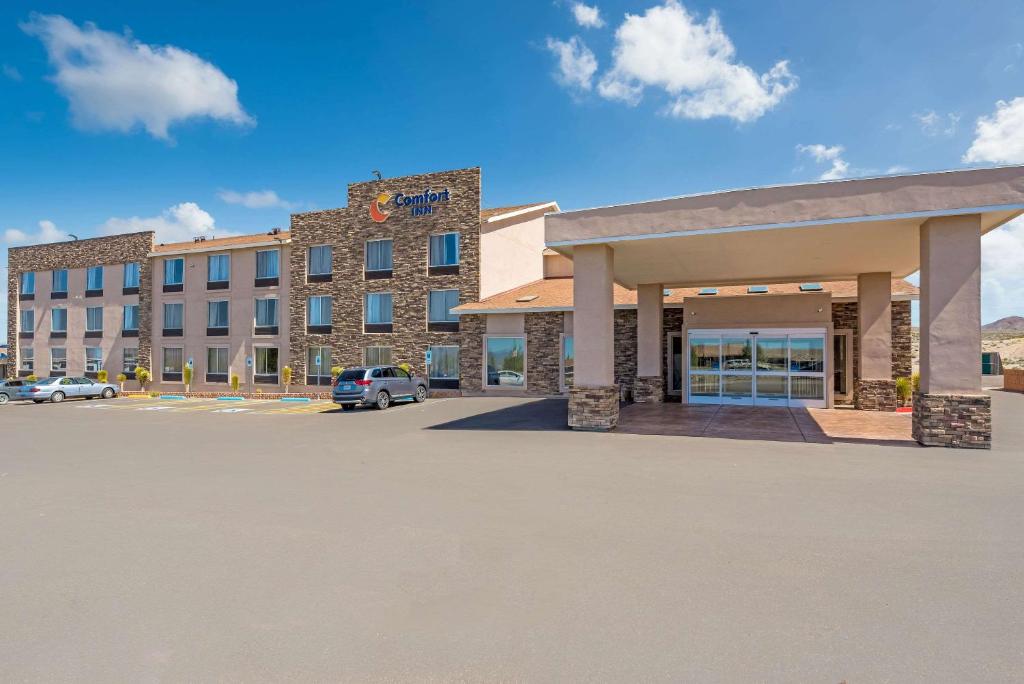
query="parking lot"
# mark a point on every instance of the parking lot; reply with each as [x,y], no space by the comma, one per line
[477,539]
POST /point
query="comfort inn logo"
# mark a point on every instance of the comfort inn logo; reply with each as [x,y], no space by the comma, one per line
[418,205]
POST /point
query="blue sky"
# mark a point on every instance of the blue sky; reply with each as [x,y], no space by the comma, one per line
[225,117]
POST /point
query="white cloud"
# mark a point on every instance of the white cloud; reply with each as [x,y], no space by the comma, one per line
[257,199]
[1000,137]
[839,168]
[933,124]
[1002,272]
[694,63]
[47,232]
[10,72]
[180,223]
[576,63]
[587,16]
[897,169]
[114,82]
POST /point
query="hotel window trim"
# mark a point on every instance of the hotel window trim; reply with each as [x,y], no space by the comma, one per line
[319,264]
[218,271]
[58,360]
[444,250]
[218,364]
[265,316]
[319,311]
[379,259]
[267,365]
[378,312]
[318,375]
[502,375]
[268,267]
[443,369]
[27,286]
[174,319]
[59,284]
[129,361]
[130,320]
[94,321]
[172,363]
[130,284]
[218,318]
[94,281]
[174,275]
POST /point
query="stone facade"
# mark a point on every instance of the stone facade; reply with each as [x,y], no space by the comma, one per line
[347,231]
[471,353]
[875,395]
[951,420]
[594,408]
[625,350]
[649,389]
[543,352]
[75,256]
[844,317]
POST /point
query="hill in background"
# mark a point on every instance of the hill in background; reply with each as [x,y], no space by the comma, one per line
[1007,324]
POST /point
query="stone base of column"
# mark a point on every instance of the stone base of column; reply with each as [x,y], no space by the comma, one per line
[649,389]
[594,408]
[953,420]
[875,395]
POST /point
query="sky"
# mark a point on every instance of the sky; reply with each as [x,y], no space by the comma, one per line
[200,118]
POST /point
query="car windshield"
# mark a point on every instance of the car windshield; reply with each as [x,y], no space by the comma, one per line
[350,375]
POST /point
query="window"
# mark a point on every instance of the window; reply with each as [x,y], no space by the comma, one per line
[129,360]
[28,283]
[377,356]
[94,319]
[440,304]
[28,359]
[94,278]
[378,308]
[217,363]
[58,359]
[568,362]
[60,281]
[318,366]
[506,361]
[131,275]
[318,311]
[443,369]
[59,320]
[444,249]
[378,255]
[27,320]
[266,264]
[93,359]
[173,362]
[174,271]
[131,317]
[217,314]
[320,260]
[218,268]
[174,316]
[266,364]
[266,316]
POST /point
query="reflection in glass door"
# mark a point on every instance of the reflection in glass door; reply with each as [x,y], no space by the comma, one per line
[772,379]
[737,370]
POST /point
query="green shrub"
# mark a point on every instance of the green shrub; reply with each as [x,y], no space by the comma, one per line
[31,378]
[286,375]
[904,387]
[336,371]
[142,375]
[101,376]
[234,382]
[915,381]
[121,377]
[186,375]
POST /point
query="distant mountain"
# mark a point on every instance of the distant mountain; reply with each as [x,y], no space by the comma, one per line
[1008,324]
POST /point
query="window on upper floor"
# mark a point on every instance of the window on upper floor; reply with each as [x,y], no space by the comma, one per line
[379,255]
[218,268]
[60,281]
[444,249]
[131,275]
[94,278]
[320,260]
[174,271]
[28,283]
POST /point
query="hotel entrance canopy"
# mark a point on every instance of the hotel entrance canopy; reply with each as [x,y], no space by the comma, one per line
[830,230]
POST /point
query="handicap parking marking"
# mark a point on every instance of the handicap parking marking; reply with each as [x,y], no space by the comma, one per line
[231,410]
[156,408]
[96,406]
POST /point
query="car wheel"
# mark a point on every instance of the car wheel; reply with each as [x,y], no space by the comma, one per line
[348,407]
[57,397]
[108,393]
[421,394]
[383,400]
[3,399]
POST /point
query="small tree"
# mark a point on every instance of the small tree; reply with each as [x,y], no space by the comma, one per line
[234,382]
[915,381]
[31,378]
[904,387]
[101,375]
[142,375]
[406,367]
[186,375]
[286,377]
[122,378]
[336,371]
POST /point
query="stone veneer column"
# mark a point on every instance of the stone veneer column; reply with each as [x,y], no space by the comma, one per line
[950,410]
[594,397]
[875,389]
[650,382]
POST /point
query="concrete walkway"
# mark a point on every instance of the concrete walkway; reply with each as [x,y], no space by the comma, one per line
[774,424]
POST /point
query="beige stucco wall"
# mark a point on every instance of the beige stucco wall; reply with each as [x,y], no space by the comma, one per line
[650,302]
[506,324]
[874,323]
[783,310]
[951,305]
[593,317]
[241,296]
[557,266]
[511,253]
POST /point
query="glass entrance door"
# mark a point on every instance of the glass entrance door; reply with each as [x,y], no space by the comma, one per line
[771,382]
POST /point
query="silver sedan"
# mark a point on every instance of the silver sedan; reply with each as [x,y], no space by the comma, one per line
[57,390]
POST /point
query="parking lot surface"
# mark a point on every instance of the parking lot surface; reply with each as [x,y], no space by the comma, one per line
[477,539]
